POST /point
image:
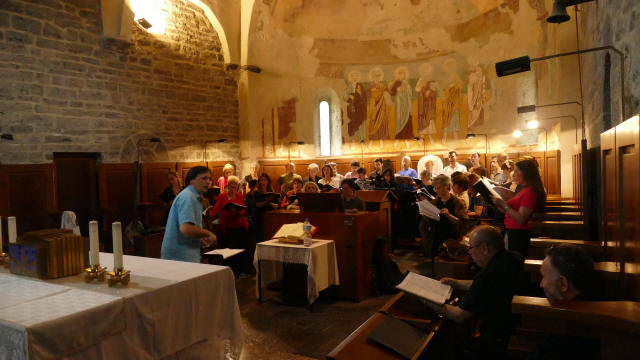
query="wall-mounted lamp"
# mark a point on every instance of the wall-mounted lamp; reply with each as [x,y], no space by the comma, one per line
[289,148]
[521,64]
[204,153]
[516,133]
[486,141]
[138,143]
[251,68]
[532,108]
[144,23]
[533,124]
[6,137]
[559,13]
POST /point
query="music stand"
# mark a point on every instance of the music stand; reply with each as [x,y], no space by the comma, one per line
[320,202]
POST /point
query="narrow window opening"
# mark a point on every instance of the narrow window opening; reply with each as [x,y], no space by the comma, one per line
[325,129]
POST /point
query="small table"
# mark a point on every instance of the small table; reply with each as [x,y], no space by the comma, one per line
[320,259]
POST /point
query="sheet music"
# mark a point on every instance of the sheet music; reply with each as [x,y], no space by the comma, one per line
[426,288]
[429,210]
[226,253]
[489,186]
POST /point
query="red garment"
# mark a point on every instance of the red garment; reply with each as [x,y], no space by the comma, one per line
[222,183]
[228,218]
[285,200]
[527,198]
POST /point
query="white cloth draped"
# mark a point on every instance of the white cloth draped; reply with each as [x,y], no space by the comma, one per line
[169,310]
[320,258]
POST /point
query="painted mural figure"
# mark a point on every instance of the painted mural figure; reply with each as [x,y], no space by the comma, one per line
[475,96]
[356,99]
[427,97]
[402,95]
[378,106]
[451,101]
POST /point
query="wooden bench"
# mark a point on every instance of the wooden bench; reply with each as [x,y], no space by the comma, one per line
[561,208]
[615,323]
[403,306]
[559,229]
[539,246]
[559,215]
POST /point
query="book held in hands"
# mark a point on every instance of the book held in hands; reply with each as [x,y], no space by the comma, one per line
[426,288]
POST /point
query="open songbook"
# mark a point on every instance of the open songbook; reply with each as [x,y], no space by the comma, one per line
[426,288]
[429,210]
[488,190]
[292,231]
[225,253]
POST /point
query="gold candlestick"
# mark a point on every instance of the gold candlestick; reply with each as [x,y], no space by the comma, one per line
[95,272]
[118,275]
[4,260]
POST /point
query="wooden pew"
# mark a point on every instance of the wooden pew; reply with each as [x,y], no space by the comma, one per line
[559,229]
[539,246]
[558,215]
[356,346]
[615,323]
[378,200]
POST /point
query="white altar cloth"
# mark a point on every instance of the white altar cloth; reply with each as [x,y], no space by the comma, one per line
[169,310]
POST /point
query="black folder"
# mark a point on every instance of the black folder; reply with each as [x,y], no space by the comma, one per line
[398,336]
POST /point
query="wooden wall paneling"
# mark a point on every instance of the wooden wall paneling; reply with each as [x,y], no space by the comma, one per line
[608,181]
[153,183]
[77,186]
[30,193]
[274,171]
[182,168]
[117,186]
[552,172]
[628,163]
[578,183]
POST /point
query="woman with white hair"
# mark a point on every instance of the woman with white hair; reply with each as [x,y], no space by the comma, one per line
[223,180]
[253,175]
[313,169]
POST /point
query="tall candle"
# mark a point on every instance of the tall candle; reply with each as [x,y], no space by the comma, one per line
[94,256]
[11,226]
[116,233]
[1,251]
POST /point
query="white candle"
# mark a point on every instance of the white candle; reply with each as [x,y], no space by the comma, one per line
[94,256]
[116,233]
[11,226]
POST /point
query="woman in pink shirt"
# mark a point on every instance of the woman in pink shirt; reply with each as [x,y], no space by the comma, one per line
[519,208]
[223,180]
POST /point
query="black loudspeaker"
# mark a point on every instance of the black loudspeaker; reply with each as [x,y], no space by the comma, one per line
[513,66]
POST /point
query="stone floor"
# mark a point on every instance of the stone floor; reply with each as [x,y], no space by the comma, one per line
[273,330]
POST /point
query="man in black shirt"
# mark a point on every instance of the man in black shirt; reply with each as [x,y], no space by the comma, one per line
[489,294]
[376,174]
[567,273]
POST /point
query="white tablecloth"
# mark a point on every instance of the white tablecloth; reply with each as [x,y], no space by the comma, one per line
[169,310]
[320,258]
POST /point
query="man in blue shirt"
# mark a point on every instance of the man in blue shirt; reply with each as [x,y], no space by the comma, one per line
[406,168]
[184,233]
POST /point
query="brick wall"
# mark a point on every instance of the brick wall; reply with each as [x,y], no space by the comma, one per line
[64,87]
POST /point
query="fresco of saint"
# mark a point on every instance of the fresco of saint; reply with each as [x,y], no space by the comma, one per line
[427,98]
[356,105]
[378,106]
[402,97]
[451,102]
[475,95]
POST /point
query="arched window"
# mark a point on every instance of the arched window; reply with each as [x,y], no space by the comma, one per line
[325,128]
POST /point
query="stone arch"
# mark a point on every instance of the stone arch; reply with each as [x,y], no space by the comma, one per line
[217,27]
